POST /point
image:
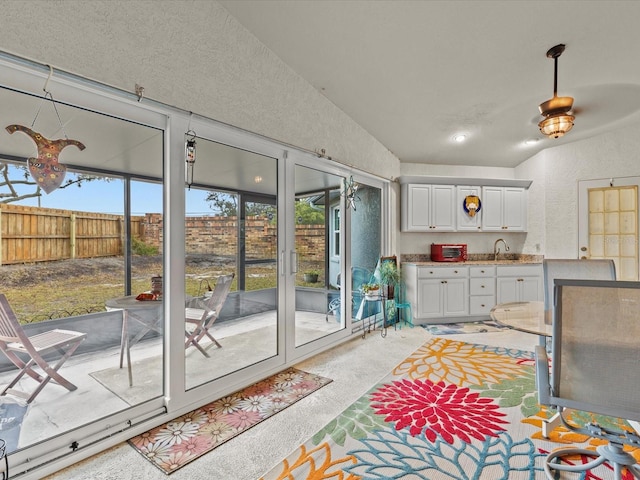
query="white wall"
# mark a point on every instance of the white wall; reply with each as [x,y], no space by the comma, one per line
[554,207]
[553,195]
[193,55]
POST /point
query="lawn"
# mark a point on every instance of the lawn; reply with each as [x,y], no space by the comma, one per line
[64,288]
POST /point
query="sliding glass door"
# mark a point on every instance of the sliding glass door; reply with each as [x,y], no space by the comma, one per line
[231,228]
[317,195]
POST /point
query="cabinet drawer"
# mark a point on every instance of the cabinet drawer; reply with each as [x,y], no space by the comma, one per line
[442,272]
[481,304]
[482,271]
[482,286]
[519,271]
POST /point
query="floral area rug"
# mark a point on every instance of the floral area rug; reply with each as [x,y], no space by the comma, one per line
[176,443]
[450,411]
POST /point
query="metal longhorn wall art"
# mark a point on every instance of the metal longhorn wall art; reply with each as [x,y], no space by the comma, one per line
[45,169]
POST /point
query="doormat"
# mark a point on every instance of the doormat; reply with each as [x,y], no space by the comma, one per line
[188,437]
[464,327]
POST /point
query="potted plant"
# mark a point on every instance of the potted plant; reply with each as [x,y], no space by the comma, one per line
[311,276]
[390,276]
[371,290]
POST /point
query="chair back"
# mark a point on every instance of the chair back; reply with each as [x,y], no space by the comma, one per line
[573,269]
[10,329]
[595,356]
[359,276]
[214,304]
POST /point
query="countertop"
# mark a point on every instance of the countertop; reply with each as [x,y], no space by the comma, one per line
[475,262]
[474,259]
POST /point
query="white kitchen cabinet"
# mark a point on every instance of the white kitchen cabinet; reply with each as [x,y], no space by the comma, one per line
[504,208]
[464,221]
[521,283]
[482,289]
[428,208]
[442,292]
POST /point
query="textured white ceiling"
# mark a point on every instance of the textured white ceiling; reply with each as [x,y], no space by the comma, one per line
[415,73]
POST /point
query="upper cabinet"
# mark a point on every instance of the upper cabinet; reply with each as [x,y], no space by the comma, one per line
[446,205]
[428,208]
[504,208]
[468,219]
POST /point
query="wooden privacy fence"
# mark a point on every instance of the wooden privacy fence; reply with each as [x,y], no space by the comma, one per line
[32,234]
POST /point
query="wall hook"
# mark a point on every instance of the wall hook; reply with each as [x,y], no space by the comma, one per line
[139,92]
[46,84]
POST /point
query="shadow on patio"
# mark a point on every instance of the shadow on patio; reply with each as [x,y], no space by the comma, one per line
[248,335]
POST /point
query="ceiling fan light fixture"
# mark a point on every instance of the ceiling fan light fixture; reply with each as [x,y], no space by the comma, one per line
[557,125]
[558,121]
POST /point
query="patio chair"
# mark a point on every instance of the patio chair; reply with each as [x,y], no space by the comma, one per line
[359,276]
[574,269]
[200,320]
[595,368]
[16,345]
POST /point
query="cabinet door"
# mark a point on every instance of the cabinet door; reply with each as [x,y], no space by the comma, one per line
[464,221]
[492,201]
[530,288]
[443,216]
[455,297]
[507,290]
[415,208]
[429,298]
[514,216]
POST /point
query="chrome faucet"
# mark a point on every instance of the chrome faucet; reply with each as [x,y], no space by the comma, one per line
[496,250]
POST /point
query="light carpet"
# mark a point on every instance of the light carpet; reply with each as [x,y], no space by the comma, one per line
[186,438]
[452,410]
[464,327]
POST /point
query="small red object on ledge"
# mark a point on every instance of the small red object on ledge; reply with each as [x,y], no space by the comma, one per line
[147,296]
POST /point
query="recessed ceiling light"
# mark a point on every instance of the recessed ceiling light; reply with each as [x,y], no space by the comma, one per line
[531,141]
[459,138]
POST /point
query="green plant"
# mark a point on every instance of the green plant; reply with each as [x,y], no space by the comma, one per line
[390,273]
[369,287]
[138,247]
[312,272]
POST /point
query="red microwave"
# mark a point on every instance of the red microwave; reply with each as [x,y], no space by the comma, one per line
[449,252]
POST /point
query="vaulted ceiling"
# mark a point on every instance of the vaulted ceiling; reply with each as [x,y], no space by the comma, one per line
[416,73]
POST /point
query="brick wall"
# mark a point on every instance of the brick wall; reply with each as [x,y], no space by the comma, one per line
[219,235]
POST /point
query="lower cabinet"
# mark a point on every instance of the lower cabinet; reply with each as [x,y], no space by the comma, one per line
[467,293]
[482,289]
[522,283]
[442,292]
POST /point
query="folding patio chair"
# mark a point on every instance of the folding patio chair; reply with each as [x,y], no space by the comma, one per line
[15,343]
[202,319]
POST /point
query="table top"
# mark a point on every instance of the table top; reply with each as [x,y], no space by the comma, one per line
[130,302]
[524,316]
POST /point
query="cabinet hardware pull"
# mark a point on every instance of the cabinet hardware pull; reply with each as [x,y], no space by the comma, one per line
[482,304]
[481,286]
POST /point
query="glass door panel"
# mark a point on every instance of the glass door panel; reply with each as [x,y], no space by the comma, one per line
[231,229]
[366,245]
[608,223]
[68,254]
[317,243]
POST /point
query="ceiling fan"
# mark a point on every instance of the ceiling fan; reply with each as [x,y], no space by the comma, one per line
[558,121]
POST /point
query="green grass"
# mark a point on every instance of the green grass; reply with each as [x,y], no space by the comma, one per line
[67,288]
